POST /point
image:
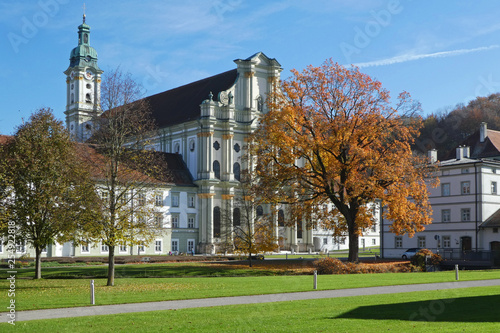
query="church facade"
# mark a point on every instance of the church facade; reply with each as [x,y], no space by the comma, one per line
[206,124]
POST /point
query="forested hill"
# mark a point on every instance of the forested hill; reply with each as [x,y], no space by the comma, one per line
[447,130]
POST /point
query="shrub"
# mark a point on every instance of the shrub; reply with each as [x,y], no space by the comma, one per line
[419,259]
[330,266]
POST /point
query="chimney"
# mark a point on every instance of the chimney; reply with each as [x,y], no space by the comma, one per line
[462,152]
[483,132]
[432,154]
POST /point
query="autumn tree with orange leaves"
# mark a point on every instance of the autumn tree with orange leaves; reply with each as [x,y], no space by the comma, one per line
[332,144]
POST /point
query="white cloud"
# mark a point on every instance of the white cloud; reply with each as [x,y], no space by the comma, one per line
[412,57]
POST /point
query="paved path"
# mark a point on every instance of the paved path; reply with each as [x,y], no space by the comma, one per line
[207,302]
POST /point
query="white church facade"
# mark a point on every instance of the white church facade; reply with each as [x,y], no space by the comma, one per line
[206,124]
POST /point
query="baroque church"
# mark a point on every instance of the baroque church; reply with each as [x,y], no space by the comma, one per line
[205,124]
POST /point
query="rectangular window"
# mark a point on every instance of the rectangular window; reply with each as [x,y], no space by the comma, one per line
[495,231]
[158,247]
[85,248]
[124,198]
[446,241]
[191,201]
[465,187]
[190,245]
[190,221]
[20,246]
[445,215]
[104,248]
[374,241]
[141,248]
[421,242]
[325,241]
[175,221]
[465,212]
[1,245]
[445,189]
[159,220]
[141,199]
[465,170]
[104,195]
[123,248]
[175,199]
[493,187]
[374,227]
[158,199]
[342,241]
[175,245]
[398,242]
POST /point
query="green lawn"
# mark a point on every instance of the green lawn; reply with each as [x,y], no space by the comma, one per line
[453,310]
[184,269]
[57,293]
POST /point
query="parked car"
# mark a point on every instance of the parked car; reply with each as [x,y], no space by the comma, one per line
[410,253]
[256,257]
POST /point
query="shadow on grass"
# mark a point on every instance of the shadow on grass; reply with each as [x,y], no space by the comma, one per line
[141,271]
[464,309]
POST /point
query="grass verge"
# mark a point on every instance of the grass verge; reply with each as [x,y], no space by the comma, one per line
[453,310]
[57,293]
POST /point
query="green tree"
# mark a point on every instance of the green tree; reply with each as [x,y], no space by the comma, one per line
[129,172]
[332,144]
[47,184]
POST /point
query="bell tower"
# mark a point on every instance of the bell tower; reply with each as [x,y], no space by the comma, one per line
[83,85]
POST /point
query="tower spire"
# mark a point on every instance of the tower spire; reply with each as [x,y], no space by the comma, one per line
[83,80]
[84,12]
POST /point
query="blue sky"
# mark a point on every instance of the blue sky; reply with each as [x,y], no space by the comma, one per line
[441,52]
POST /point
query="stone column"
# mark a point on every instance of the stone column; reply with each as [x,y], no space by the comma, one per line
[227,223]
[206,223]
[205,155]
[227,157]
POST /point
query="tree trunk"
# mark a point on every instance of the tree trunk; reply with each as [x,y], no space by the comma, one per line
[353,247]
[111,266]
[38,263]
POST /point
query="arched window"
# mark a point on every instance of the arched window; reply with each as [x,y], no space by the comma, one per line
[259,211]
[216,221]
[299,229]
[236,217]
[236,171]
[88,99]
[281,218]
[216,167]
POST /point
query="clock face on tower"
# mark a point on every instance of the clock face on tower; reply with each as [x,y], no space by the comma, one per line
[88,74]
